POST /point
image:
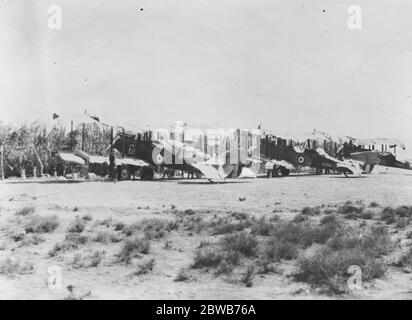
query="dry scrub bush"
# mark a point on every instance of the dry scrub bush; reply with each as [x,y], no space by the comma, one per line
[133,248]
[25,211]
[11,266]
[327,267]
[40,224]
[150,228]
[77,226]
[144,267]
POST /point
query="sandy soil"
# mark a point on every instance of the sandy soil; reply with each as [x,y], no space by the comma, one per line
[132,200]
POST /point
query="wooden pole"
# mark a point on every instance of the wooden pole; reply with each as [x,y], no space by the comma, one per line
[2,162]
[83,134]
[71,134]
[123,142]
[111,139]
[205,145]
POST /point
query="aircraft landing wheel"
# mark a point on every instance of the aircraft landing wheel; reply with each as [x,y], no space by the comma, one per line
[124,174]
[285,172]
[146,173]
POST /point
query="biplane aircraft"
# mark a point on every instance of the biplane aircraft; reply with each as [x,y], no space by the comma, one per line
[355,148]
[287,157]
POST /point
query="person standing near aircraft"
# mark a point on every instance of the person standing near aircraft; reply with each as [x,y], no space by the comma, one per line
[269,168]
[112,166]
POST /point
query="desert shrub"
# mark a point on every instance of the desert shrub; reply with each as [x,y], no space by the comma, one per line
[76,238]
[77,261]
[374,204]
[241,242]
[182,276]
[96,258]
[105,237]
[262,227]
[300,218]
[328,211]
[133,248]
[328,269]
[388,215]
[290,231]
[151,228]
[72,241]
[77,226]
[119,226]
[402,223]
[240,215]
[193,223]
[409,235]
[10,266]
[144,267]
[304,234]
[247,277]
[404,211]
[274,218]
[375,242]
[348,208]
[44,224]
[33,239]
[206,257]
[311,211]
[88,260]
[367,215]
[87,217]
[328,219]
[264,266]
[74,295]
[189,212]
[326,231]
[106,222]
[226,266]
[226,225]
[25,211]
[55,250]
[352,215]
[226,253]
[391,215]
[405,261]
[275,250]
[216,256]
[17,234]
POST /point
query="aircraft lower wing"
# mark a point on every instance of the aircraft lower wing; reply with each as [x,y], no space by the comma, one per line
[349,166]
[132,162]
[208,171]
[283,163]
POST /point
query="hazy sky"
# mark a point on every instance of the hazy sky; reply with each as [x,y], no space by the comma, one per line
[292,65]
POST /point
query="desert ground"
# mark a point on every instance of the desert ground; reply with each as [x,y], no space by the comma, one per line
[142,240]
